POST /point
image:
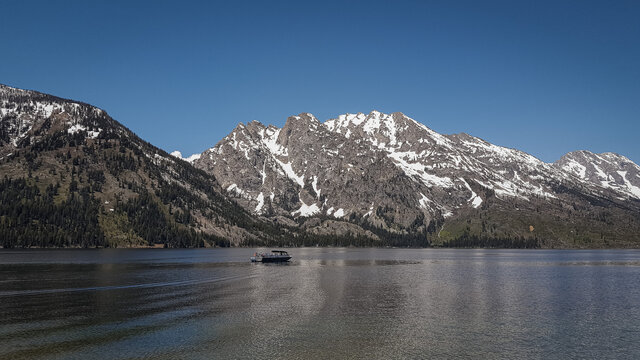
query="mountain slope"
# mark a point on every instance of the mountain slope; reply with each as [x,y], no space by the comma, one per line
[607,170]
[73,176]
[379,174]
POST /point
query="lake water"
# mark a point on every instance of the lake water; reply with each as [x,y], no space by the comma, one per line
[326,303]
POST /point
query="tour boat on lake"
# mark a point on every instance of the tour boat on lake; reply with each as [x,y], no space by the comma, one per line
[274,256]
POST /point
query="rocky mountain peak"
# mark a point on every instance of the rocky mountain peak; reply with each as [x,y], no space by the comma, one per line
[385,170]
[303,121]
[255,126]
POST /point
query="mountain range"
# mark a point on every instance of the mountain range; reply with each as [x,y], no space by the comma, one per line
[73,176]
[366,173]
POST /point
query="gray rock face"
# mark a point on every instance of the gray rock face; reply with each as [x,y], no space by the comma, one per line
[389,171]
[305,169]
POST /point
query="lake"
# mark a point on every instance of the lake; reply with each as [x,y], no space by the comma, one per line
[326,303]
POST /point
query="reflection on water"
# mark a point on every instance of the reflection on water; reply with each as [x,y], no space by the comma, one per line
[326,303]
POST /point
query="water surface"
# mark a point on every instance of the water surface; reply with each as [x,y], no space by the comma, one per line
[326,303]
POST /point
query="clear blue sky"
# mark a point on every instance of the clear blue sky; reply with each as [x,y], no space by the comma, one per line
[546,77]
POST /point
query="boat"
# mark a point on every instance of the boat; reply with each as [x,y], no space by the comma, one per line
[273,256]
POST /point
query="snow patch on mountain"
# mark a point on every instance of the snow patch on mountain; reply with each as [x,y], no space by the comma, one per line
[575,168]
[306,210]
[417,170]
[189,159]
[288,170]
[92,134]
[234,188]
[475,200]
[314,184]
[260,200]
[270,139]
[634,190]
[424,201]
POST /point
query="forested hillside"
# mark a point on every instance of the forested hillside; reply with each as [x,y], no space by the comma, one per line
[72,176]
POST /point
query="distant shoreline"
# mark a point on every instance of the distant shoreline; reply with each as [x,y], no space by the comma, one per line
[161,246]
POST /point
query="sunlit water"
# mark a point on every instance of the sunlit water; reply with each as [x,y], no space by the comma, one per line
[326,303]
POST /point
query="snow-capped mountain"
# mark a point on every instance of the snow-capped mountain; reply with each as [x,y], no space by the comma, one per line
[364,179]
[392,172]
[104,185]
[306,169]
[606,170]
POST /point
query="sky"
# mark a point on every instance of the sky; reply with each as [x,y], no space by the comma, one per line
[545,77]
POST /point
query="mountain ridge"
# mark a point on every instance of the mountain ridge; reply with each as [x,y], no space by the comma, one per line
[418,177]
[118,190]
[359,179]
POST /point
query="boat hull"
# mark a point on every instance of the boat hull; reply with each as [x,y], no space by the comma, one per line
[272,259]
